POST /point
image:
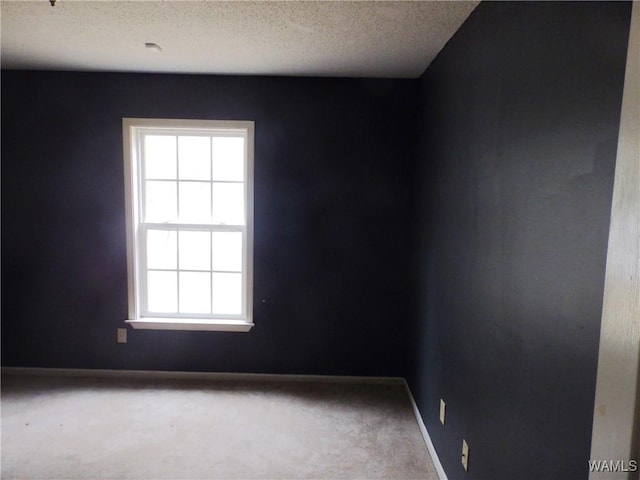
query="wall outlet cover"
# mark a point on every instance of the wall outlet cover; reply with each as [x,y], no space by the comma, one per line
[443,408]
[465,455]
[122,335]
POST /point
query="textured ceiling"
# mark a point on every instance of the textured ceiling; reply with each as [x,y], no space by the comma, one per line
[319,38]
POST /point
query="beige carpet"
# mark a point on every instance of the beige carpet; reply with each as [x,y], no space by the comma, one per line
[106,428]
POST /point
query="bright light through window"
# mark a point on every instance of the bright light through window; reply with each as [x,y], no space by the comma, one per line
[189,211]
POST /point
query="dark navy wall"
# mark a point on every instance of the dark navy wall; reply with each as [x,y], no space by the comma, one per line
[332,163]
[519,141]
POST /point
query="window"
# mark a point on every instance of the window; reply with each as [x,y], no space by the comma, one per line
[189,200]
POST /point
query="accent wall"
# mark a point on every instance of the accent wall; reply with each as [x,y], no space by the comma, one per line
[519,137]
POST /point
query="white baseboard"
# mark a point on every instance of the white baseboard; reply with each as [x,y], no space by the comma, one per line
[425,435]
[210,376]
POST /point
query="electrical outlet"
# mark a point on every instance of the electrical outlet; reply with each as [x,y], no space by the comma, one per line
[442,411]
[122,335]
[465,455]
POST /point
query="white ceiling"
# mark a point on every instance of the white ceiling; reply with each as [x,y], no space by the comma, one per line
[306,38]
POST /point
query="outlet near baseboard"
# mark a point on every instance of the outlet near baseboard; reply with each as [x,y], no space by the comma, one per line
[465,455]
[443,408]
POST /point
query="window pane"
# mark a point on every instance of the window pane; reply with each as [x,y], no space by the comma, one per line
[227,293]
[228,203]
[228,158]
[227,251]
[162,292]
[160,156]
[195,251]
[194,155]
[195,202]
[195,292]
[162,249]
[161,204]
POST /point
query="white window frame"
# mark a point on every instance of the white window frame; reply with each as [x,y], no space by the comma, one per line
[133,131]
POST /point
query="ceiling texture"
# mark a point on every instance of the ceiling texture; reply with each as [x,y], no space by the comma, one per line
[387,39]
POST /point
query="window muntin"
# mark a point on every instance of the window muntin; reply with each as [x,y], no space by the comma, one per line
[189,208]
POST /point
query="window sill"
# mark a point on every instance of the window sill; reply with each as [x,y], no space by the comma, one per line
[190,324]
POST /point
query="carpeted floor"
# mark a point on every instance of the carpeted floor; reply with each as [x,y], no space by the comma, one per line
[57,427]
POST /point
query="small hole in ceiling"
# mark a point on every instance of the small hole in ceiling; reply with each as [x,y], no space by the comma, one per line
[153,46]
